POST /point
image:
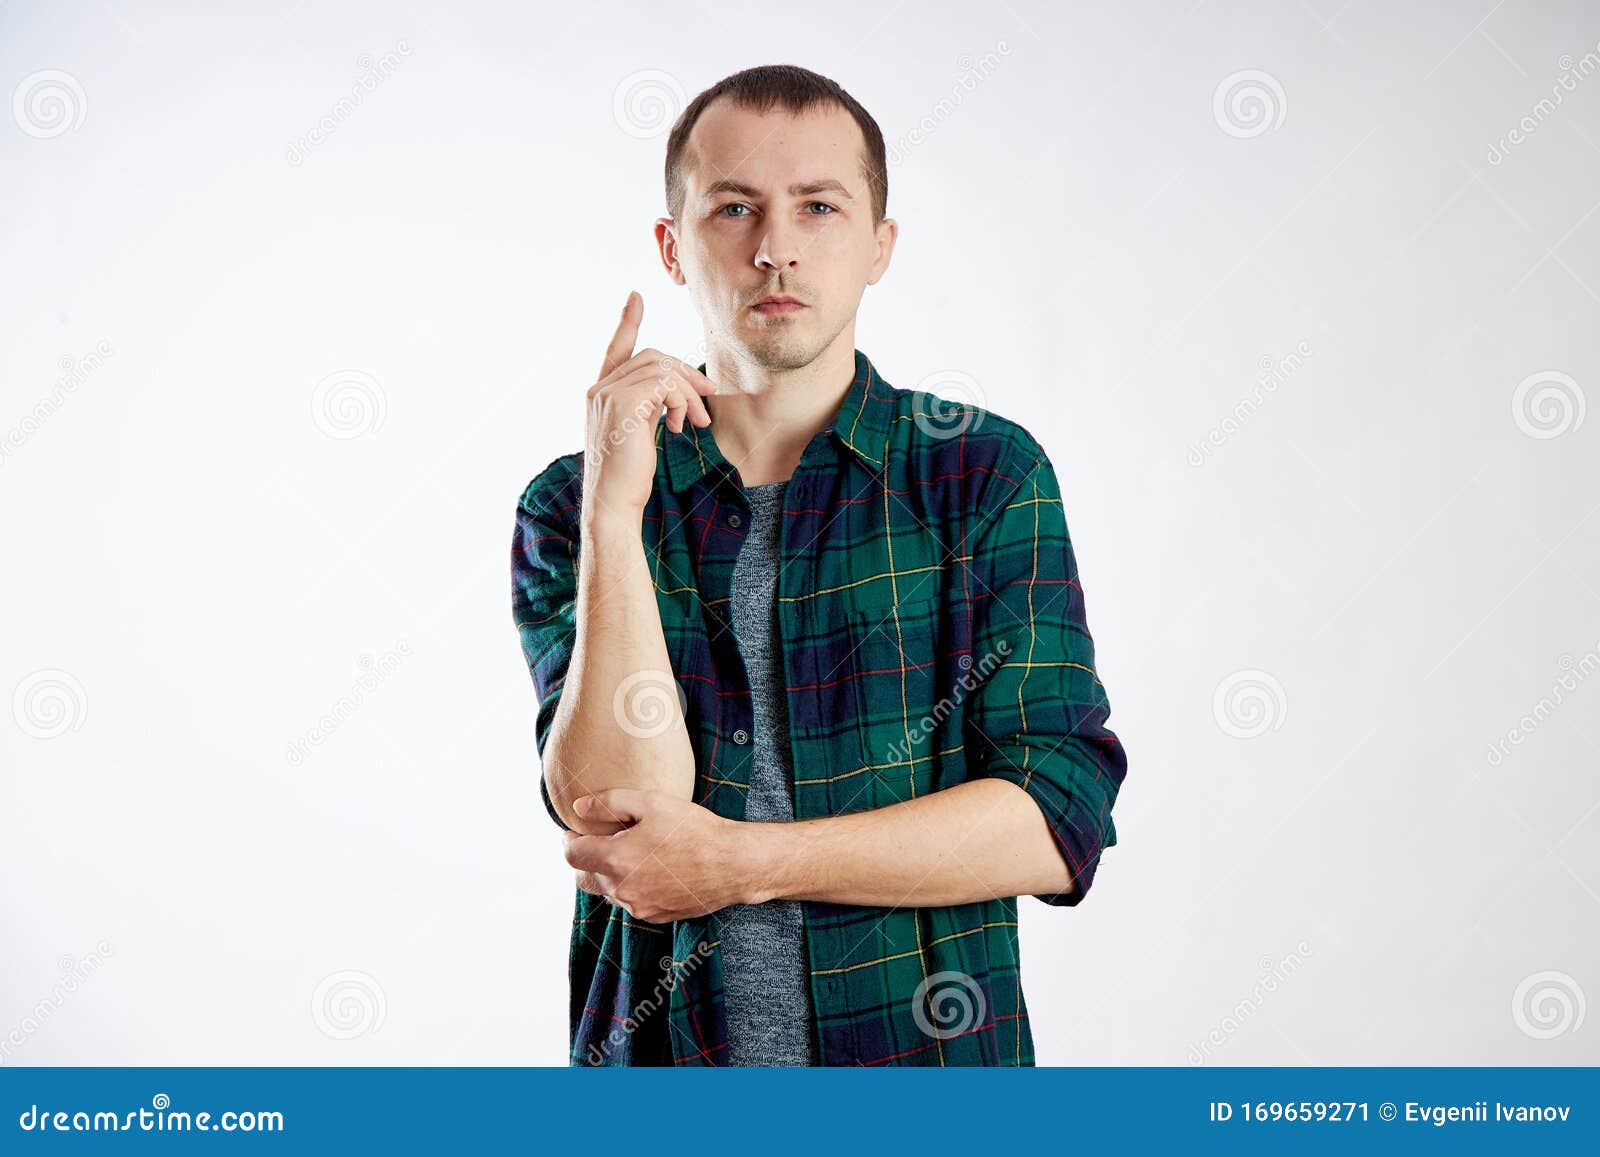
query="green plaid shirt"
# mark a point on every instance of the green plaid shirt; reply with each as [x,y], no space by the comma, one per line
[933,632]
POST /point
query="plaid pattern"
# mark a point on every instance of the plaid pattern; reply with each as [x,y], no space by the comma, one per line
[933,632]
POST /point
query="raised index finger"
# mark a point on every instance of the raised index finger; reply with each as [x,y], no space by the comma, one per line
[622,342]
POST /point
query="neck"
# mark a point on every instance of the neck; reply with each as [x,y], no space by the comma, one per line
[765,427]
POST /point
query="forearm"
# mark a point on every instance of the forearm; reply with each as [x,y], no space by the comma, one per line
[974,841]
[606,734]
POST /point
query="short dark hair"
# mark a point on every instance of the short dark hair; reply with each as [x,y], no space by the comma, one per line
[795,89]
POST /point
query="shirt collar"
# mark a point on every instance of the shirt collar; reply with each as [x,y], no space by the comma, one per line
[862,424]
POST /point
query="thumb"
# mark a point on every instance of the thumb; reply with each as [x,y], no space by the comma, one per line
[625,805]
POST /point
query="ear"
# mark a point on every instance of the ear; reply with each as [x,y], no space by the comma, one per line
[667,242]
[887,233]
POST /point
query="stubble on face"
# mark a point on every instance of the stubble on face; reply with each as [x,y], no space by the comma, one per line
[781,343]
[774,149]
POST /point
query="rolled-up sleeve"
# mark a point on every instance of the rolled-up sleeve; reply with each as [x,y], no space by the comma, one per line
[1038,718]
[544,592]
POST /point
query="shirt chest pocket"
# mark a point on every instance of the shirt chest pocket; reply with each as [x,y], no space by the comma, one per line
[906,670]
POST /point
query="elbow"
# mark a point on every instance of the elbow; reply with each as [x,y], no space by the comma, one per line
[562,783]
[571,772]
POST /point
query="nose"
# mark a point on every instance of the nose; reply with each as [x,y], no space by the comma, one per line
[779,248]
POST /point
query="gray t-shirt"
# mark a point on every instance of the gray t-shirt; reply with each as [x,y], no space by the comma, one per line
[764,958]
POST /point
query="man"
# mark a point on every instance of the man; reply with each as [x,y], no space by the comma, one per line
[817,695]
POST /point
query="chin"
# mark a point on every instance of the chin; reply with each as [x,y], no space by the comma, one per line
[780,348]
[782,355]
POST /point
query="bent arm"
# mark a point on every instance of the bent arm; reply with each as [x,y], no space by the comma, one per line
[618,723]
[584,603]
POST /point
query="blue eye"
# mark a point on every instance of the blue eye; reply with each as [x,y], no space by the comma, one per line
[726,210]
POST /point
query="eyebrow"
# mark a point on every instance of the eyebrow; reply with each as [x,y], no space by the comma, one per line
[798,189]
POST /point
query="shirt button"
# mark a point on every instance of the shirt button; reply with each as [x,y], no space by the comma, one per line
[741,737]
[734,520]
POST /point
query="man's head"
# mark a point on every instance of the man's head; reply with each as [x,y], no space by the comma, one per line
[777,185]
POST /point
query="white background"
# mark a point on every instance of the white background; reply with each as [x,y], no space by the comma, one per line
[197,567]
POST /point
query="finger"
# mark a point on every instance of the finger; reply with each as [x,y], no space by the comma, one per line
[698,413]
[665,376]
[622,342]
[623,804]
[588,853]
[705,386]
[682,379]
[696,380]
[677,407]
[593,883]
[643,366]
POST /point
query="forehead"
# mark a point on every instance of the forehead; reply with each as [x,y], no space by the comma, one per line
[772,149]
